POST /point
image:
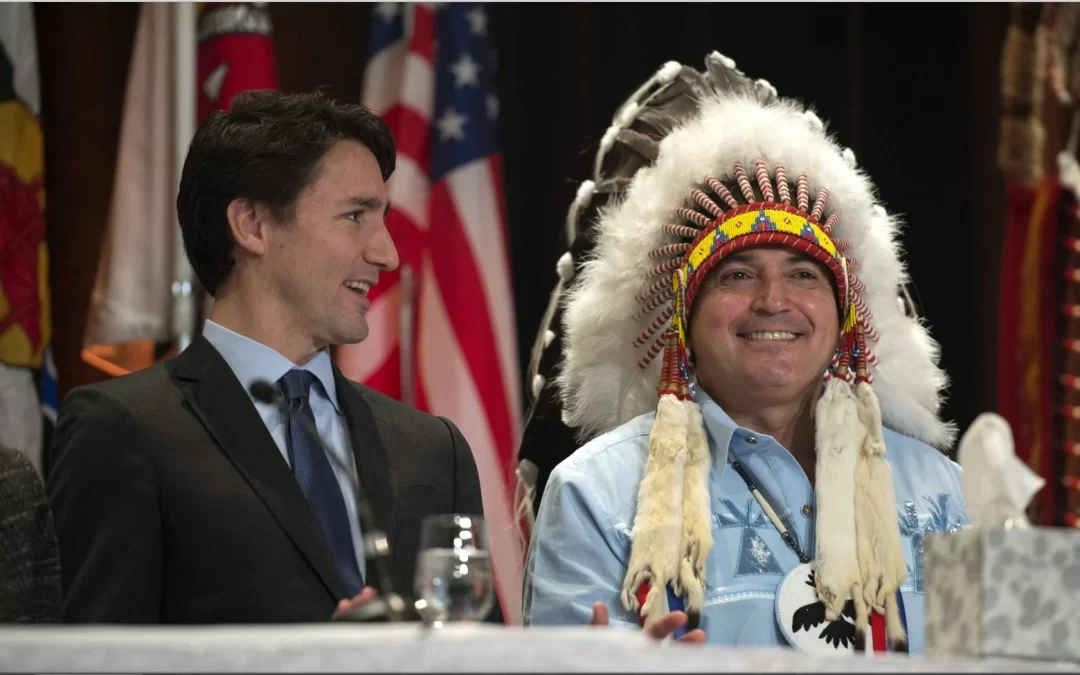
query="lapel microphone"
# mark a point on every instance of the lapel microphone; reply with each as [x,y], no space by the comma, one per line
[387,606]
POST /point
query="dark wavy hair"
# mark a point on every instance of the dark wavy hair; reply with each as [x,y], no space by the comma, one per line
[266,148]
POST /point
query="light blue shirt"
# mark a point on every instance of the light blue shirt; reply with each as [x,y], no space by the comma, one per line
[251,361]
[581,542]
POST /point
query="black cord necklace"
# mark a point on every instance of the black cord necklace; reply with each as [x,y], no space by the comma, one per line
[769,512]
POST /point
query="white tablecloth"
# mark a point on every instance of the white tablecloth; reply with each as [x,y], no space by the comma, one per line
[339,648]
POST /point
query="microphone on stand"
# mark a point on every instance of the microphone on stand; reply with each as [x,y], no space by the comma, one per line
[388,605]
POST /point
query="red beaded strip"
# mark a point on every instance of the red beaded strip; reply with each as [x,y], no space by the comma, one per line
[782,185]
[870,331]
[671,377]
[655,302]
[819,205]
[665,267]
[684,231]
[744,183]
[654,289]
[653,351]
[763,181]
[659,322]
[699,219]
[722,192]
[830,222]
[860,307]
[669,250]
[802,192]
[704,202]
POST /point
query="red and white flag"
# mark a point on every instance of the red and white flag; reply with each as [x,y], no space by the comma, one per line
[431,75]
[133,300]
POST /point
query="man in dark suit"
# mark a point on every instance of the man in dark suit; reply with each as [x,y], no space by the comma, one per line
[178,497]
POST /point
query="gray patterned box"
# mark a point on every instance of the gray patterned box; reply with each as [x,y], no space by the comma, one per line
[1010,593]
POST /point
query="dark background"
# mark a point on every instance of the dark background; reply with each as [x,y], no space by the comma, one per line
[913,89]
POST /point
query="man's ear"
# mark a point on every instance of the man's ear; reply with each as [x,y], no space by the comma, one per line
[250,225]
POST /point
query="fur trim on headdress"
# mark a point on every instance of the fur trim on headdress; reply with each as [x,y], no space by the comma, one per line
[839,432]
[658,523]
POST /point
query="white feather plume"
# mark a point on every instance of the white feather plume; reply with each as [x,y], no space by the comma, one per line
[601,384]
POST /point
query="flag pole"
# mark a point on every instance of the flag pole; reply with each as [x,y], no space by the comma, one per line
[184,41]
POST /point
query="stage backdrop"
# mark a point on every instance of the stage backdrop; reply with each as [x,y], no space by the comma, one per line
[913,89]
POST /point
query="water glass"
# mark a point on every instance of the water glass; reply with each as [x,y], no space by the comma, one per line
[453,571]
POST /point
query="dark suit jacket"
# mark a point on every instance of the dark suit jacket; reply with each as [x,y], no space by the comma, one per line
[174,505]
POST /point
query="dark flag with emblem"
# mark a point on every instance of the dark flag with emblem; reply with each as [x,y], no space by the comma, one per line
[236,53]
[132,322]
[27,377]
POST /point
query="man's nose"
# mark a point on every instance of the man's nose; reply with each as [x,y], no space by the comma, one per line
[382,252]
[770,296]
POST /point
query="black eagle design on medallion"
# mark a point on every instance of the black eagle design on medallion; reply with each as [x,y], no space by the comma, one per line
[836,633]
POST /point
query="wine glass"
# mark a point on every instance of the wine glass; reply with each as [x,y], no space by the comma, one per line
[453,570]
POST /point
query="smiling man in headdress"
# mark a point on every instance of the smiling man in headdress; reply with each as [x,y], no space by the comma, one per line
[760,409]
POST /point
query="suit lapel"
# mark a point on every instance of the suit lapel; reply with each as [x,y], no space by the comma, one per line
[219,401]
[377,478]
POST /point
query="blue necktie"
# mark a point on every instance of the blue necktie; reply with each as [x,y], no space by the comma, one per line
[317,481]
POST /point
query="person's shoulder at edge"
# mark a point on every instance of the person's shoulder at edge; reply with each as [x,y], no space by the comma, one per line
[922,465]
[18,478]
[614,460]
[120,404]
[130,388]
[901,448]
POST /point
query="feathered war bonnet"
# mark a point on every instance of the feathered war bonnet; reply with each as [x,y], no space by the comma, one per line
[747,168]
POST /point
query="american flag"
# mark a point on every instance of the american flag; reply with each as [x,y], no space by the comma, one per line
[431,75]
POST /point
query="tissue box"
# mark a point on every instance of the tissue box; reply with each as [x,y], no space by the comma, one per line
[1004,593]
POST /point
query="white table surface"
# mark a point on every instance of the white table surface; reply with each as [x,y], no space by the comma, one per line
[480,648]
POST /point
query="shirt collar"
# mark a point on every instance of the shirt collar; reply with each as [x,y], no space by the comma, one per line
[251,361]
[720,429]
